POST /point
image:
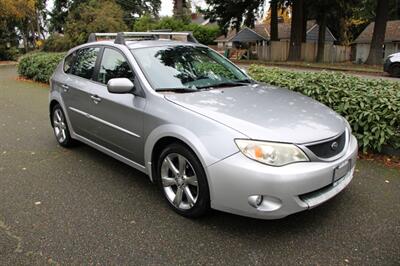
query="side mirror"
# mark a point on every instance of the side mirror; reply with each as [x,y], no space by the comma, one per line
[120,85]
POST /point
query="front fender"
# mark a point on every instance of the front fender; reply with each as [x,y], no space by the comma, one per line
[181,133]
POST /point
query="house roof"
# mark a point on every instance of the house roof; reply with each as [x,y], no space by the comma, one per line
[283,32]
[230,34]
[248,35]
[392,32]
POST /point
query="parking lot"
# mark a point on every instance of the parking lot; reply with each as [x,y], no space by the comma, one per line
[79,206]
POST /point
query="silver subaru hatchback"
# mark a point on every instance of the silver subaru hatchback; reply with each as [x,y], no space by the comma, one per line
[199,127]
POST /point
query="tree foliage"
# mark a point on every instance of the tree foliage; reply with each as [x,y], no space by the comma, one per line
[58,15]
[93,16]
[204,34]
[132,9]
[24,19]
[233,12]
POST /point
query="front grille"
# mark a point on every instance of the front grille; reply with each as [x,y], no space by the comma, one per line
[329,148]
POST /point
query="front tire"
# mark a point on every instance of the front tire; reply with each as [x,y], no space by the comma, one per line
[183,181]
[60,127]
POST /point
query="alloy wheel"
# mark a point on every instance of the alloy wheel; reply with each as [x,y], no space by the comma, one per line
[179,181]
[59,125]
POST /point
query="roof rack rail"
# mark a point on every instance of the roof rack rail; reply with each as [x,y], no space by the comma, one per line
[120,37]
[93,36]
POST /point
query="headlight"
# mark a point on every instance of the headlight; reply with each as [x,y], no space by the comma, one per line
[347,125]
[271,153]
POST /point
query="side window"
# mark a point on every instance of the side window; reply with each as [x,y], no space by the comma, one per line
[68,61]
[85,62]
[114,65]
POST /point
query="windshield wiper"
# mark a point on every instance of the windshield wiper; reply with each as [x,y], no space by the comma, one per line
[182,90]
[244,80]
[225,84]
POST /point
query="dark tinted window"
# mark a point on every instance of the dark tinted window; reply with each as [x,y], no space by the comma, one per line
[114,65]
[69,60]
[85,62]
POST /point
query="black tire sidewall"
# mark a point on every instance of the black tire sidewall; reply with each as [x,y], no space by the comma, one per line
[395,71]
[202,204]
[68,142]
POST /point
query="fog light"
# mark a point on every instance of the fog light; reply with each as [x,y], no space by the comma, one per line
[264,202]
[259,200]
[256,200]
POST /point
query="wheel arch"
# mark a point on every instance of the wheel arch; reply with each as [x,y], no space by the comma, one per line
[55,98]
[51,106]
[167,134]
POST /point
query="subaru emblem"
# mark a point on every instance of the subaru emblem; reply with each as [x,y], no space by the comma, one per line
[334,145]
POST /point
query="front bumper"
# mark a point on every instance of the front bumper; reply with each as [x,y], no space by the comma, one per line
[286,190]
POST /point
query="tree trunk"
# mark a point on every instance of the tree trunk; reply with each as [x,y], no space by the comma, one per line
[304,30]
[236,24]
[321,39]
[38,28]
[375,56]
[343,37]
[178,8]
[296,31]
[274,20]
[398,9]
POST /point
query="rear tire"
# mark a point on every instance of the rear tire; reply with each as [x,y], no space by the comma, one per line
[60,127]
[183,181]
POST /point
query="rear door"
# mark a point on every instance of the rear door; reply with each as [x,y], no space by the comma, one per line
[78,88]
[118,117]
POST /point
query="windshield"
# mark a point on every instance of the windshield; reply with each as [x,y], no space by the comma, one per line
[186,68]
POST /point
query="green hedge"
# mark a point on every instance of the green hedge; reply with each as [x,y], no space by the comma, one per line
[372,106]
[39,66]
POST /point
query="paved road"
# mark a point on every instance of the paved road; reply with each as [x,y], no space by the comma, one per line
[79,206]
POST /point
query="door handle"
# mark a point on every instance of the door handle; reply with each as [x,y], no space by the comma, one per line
[65,87]
[96,99]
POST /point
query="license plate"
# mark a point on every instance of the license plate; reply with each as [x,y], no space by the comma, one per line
[341,170]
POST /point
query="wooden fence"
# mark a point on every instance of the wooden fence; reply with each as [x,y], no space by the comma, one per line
[279,51]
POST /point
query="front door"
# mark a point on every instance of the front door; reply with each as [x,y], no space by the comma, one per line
[77,87]
[118,117]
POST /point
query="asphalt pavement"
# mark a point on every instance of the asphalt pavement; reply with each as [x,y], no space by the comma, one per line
[79,206]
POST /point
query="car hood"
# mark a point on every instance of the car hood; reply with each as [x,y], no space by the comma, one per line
[265,112]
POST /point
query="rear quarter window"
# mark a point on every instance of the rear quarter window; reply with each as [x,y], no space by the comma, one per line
[68,62]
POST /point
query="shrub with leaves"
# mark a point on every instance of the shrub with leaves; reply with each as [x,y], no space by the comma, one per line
[57,43]
[39,66]
[372,106]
